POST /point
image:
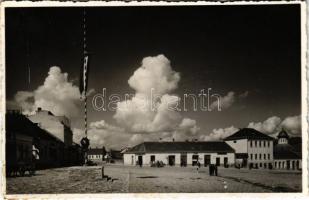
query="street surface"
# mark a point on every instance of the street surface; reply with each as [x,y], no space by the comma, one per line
[133,179]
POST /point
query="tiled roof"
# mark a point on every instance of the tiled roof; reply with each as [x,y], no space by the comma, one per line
[19,123]
[283,134]
[178,147]
[285,151]
[249,133]
[296,143]
[95,151]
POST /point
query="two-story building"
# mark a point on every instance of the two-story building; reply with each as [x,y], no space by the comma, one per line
[59,126]
[252,148]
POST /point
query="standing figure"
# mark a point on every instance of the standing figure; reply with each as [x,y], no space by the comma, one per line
[210,170]
[216,170]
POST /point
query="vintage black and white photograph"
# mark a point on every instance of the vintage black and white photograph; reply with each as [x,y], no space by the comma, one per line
[191,98]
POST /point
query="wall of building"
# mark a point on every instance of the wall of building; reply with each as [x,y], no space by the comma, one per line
[213,157]
[51,153]
[97,157]
[260,154]
[240,146]
[164,158]
[54,125]
[127,159]
[283,164]
[230,156]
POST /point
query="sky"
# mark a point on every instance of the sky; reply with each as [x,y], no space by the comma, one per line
[249,55]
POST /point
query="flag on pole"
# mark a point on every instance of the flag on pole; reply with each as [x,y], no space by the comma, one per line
[83,81]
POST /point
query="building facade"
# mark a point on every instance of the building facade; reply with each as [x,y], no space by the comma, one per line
[252,148]
[180,154]
[95,154]
[287,156]
[23,136]
[59,126]
[27,142]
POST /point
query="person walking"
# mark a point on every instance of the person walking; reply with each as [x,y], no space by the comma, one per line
[198,166]
[210,170]
[216,170]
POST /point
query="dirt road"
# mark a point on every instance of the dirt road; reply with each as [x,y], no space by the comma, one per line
[124,179]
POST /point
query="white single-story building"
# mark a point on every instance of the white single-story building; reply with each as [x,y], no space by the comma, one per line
[95,154]
[180,153]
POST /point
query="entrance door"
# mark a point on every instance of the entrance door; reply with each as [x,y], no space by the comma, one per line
[183,160]
[218,161]
[171,160]
[206,160]
[140,160]
[245,162]
[225,161]
[194,160]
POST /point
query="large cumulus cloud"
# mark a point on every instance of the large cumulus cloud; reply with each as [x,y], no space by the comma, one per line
[57,94]
[147,116]
[155,72]
[153,108]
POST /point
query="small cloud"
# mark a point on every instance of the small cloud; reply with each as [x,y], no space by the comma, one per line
[268,126]
[225,102]
[219,134]
[228,100]
[271,126]
[292,124]
[103,125]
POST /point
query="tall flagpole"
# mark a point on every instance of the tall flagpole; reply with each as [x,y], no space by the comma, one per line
[85,76]
[83,87]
